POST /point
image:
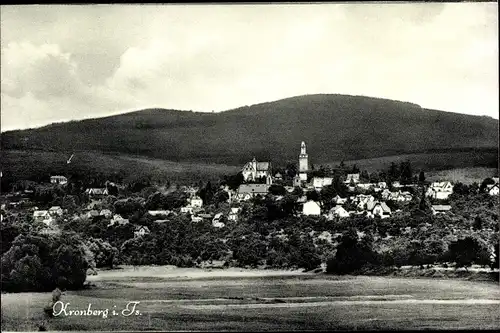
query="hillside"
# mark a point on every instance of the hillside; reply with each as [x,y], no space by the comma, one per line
[335,127]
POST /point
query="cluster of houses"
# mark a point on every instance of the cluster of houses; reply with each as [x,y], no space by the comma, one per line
[366,205]
[359,204]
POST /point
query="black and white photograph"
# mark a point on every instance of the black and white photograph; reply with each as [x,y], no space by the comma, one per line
[250,167]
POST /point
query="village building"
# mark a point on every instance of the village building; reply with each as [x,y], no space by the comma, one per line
[440,209]
[440,190]
[187,210]
[338,200]
[278,177]
[233,214]
[91,214]
[337,211]
[106,213]
[319,182]
[60,180]
[401,196]
[216,221]
[378,209]
[396,184]
[196,202]
[118,220]
[248,191]
[56,211]
[196,218]
[364,186]
[141,231]
[97,191]
[311,208]
[254,170]
[492,189]
[354,177]
[43,216]
[158,212]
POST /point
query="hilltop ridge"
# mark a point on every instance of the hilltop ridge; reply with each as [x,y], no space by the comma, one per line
[335,127]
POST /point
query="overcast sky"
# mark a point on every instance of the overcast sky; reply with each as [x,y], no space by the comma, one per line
[70,62]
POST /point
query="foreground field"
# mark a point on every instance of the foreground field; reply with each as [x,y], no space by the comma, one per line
[194,299]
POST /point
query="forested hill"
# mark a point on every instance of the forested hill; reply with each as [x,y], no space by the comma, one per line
[335,127]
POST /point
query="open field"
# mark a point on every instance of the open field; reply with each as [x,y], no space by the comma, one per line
[468,162]
[237,299]
[20,164]
[464,175]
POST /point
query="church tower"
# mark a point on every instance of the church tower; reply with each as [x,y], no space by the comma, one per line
[303,162]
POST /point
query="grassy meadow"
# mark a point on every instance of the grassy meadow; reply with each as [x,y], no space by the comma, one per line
[471,163]
[238,299]
[20,164]
[464,175]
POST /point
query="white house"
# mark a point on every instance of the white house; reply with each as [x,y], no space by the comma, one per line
[196,218]
[254,170]
[216,222]
[43,216]
[352,176]
[440,190]
[106,213]
[400,196]
[492,189]
[319,182]
[364,200]
[196,202]
[396,184]
[366,186]
[55,211]
[159,212]
[61,180]
[337,211]
[233,215]
[118,219]
[379,209]
[440,209]
[141,231]
[187,210]
[311,208]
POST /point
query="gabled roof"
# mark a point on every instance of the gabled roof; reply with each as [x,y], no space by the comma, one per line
[97,190]
[337,209]
[55,208]
[372,204]
[253,188]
